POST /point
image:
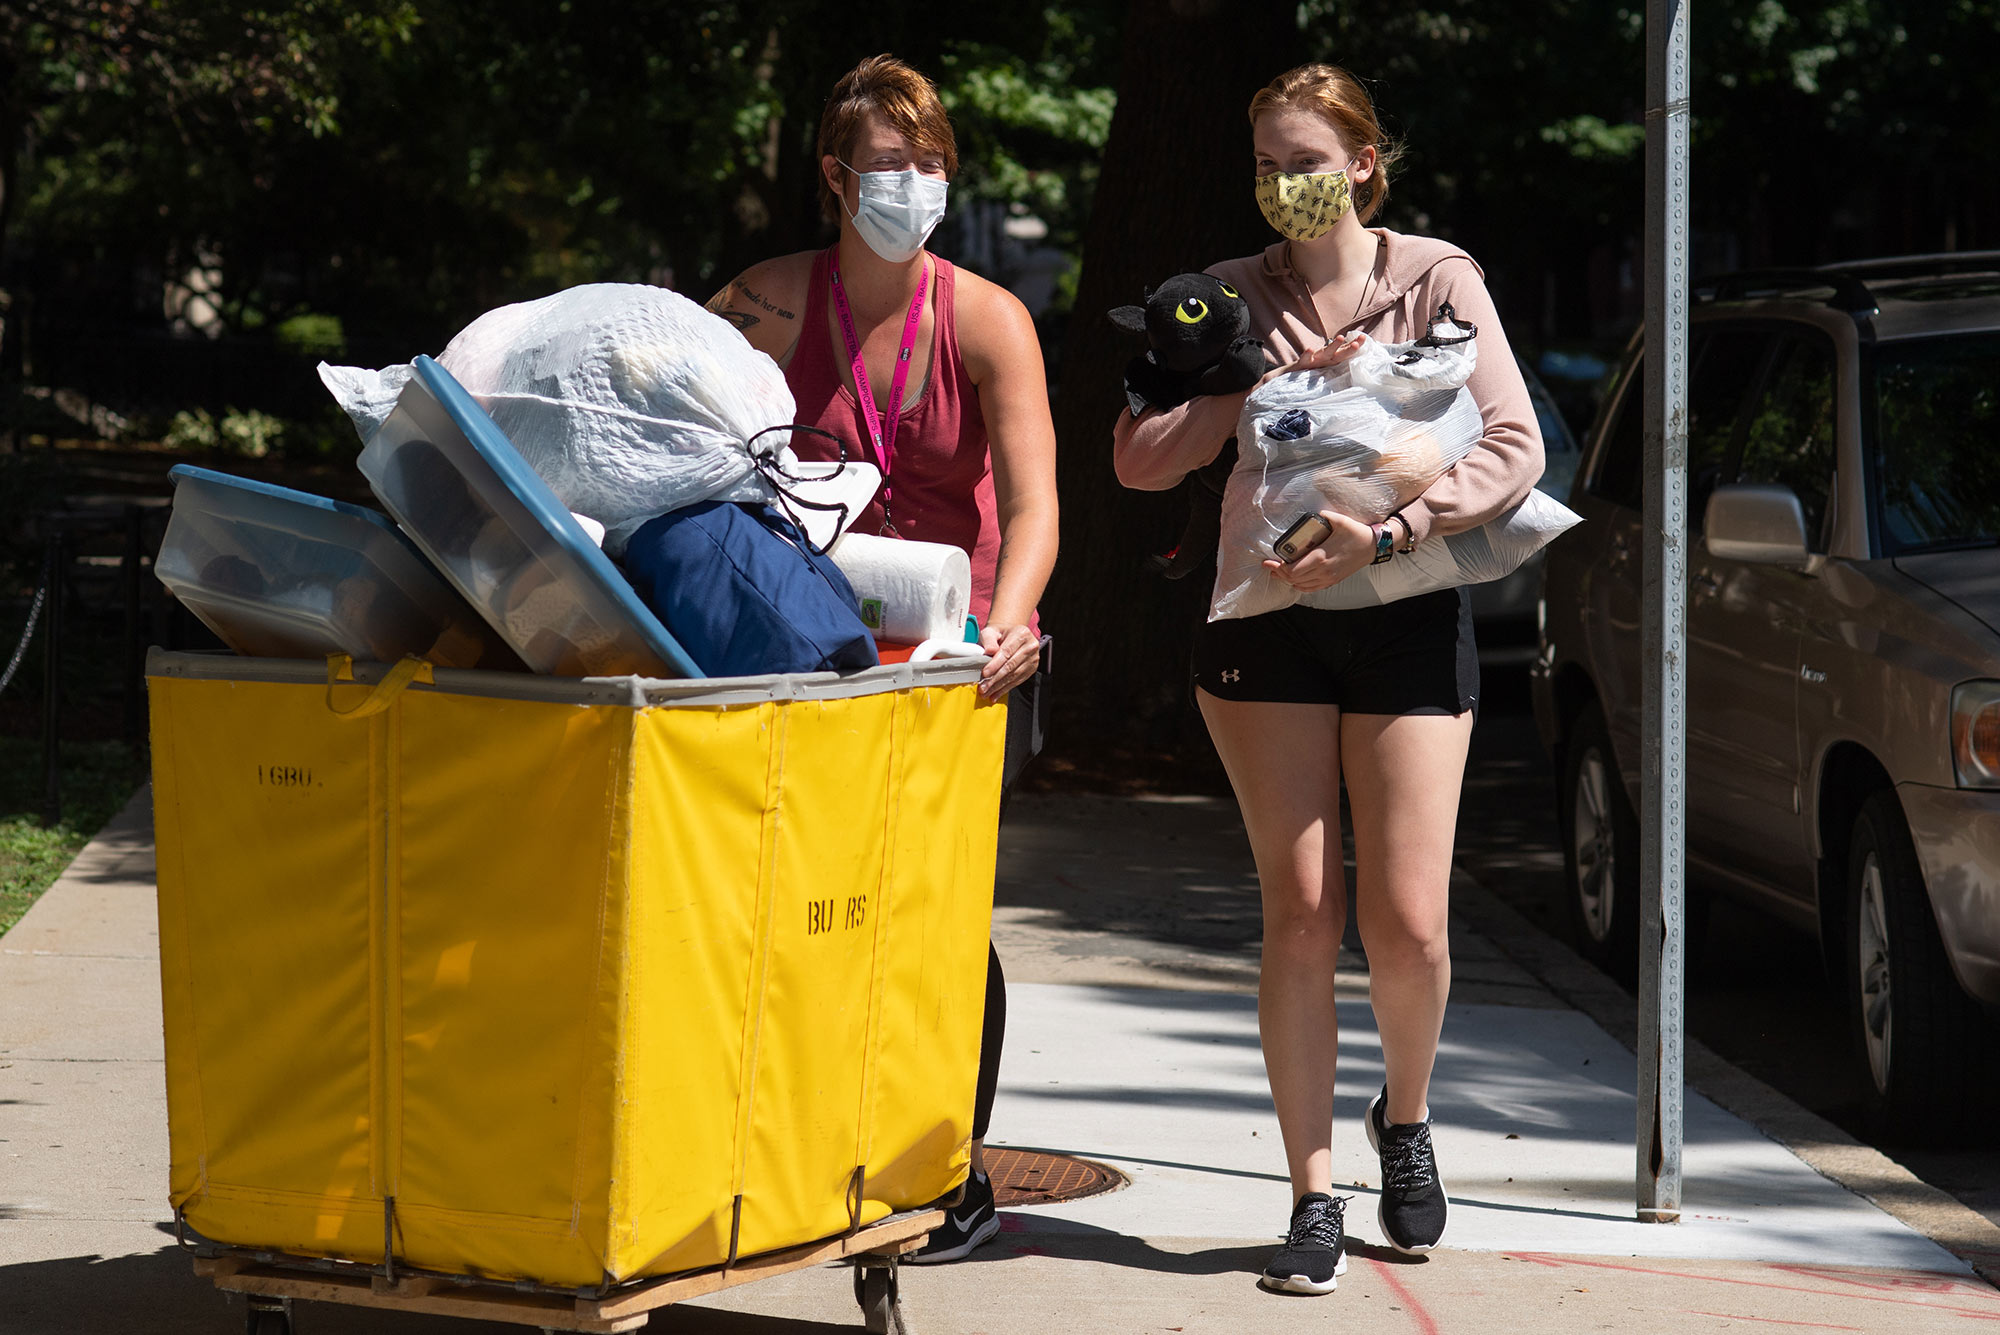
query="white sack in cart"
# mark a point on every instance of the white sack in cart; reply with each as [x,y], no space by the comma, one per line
[628,400]
[1364,437]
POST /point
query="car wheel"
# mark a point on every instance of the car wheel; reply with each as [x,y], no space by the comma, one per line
[1924,1047]
[1600,850]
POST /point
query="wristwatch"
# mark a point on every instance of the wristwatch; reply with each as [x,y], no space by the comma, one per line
[1385,544]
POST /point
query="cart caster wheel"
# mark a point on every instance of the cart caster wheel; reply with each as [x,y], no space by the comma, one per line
[881,1306]
[268,1320]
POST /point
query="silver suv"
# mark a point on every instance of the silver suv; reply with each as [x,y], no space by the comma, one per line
[1843,622]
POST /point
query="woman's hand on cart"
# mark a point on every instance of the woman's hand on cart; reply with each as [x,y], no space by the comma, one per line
[1350,547]
[1015,652]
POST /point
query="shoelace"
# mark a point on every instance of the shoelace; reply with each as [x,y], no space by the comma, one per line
[1407,1163]
[1321,1225]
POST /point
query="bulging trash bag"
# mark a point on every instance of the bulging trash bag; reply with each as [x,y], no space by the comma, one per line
[628,400]
[1364,437]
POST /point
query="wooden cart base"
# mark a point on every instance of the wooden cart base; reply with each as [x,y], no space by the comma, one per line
[273,1287]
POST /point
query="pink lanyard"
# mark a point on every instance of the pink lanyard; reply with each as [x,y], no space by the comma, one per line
[884,437]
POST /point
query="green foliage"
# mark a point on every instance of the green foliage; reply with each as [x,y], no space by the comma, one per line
[1525,127]
[250,434]
[246,434]
[1032,119]
[158,122]
[402,165]
[193,432]
[310,335]
[98,778]
[398,166]
[1589,137]
[1489,101]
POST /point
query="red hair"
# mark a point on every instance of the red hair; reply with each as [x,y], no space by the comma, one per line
[1336,97]
[905,98]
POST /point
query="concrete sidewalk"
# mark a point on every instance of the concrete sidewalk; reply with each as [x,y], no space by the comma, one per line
[1129,931]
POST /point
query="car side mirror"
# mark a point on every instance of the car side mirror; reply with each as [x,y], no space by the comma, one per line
[1757,522]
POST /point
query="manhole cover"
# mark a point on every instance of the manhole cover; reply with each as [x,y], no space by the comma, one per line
[1036,1177]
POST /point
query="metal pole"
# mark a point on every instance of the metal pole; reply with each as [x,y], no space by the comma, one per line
[52,680]
[1663,681]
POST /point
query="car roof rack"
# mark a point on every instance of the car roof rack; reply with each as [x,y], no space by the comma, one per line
[1921,266]
[1850,294]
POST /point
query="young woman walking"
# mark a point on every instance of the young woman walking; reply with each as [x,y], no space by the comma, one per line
[1307,699]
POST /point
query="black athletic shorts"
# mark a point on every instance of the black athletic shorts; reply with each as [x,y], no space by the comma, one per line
[1414,656]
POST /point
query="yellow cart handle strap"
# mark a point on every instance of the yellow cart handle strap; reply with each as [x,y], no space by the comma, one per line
[340,667]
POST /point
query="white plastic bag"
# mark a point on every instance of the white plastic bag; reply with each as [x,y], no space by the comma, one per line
[628,400]
[1493,550]
[1364,438]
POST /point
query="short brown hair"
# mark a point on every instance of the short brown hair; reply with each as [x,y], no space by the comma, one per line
[1336,97]
[906,99]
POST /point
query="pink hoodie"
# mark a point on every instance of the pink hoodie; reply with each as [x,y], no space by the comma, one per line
[1155,451]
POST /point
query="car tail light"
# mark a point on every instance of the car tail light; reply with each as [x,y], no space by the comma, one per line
[1975,733]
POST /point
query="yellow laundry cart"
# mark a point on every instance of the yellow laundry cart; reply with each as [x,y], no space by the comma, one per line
[554,1000]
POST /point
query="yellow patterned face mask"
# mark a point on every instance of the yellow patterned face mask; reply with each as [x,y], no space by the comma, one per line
[1303,206]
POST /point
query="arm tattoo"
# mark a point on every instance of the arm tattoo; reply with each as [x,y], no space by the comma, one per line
[741,319]
[720,300]
[775,310]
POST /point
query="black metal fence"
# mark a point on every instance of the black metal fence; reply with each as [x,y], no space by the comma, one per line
[94,591]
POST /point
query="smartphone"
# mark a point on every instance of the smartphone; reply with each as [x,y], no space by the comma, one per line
[1307,532]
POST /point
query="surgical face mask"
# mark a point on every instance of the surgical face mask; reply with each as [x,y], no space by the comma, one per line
[897,211]
[1303,206]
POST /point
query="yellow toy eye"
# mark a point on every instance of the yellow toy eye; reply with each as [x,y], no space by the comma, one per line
[1191,311]
[1227,290]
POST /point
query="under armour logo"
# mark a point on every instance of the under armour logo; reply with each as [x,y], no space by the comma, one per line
[1232,674]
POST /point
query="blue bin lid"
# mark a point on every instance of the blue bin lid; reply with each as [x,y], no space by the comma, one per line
[591,565]
[193,474]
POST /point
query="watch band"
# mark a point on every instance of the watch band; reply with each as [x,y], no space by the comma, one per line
[1385,544]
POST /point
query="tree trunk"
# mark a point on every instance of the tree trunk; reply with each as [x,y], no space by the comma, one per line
[1174,195]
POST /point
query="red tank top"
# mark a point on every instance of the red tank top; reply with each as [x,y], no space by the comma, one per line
[944,468]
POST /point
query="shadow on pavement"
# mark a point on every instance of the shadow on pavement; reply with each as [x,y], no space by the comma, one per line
[157,1293]
[1085,1242]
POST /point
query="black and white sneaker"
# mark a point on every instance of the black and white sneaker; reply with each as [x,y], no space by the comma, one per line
[971,1223]
[1314,1256]
[1413,1204]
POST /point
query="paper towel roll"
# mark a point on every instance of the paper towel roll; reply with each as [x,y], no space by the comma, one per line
[910,591]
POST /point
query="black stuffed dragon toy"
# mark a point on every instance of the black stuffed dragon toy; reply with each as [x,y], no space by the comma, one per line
[1197,330]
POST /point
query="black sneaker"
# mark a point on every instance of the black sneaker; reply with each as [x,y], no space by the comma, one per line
[1315,1253]
[971,1223]
[1413,1204]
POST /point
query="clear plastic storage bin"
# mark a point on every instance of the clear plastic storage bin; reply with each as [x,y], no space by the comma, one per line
[464,494]
[279,573]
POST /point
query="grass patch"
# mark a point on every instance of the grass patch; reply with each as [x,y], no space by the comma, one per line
[98,779]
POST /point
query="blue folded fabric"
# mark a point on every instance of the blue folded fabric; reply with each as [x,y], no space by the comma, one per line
[745,593]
